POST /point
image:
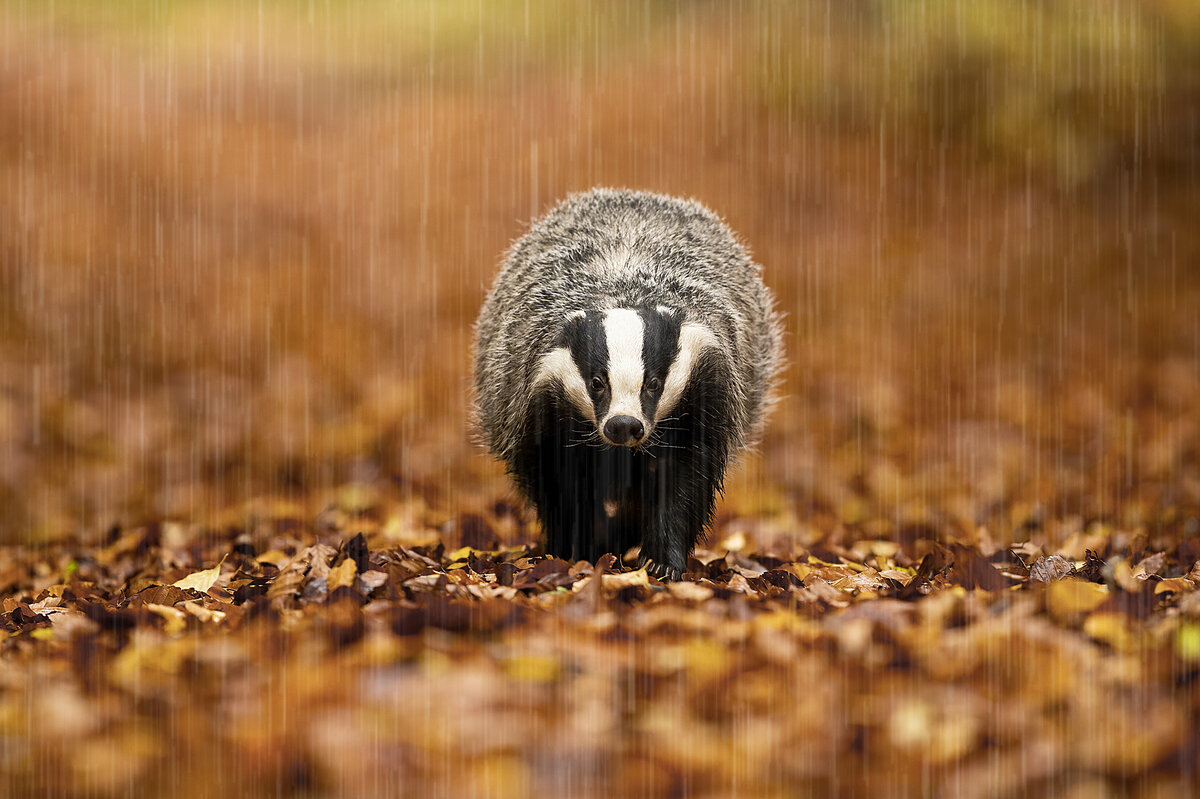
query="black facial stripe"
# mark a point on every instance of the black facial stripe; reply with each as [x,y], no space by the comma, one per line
[660,345]
[584,337]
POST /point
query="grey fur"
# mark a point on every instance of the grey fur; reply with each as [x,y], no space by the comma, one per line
[687,258]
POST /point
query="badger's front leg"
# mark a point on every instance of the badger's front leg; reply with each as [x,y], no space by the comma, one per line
[686,485]
[550,469]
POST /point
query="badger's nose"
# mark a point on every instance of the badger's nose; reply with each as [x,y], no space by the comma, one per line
[623,430]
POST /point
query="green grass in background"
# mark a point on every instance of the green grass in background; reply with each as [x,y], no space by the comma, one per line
[1062,90]
[1070,90]
[388,38]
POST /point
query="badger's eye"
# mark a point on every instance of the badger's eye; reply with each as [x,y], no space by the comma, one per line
[597,384]
[653,385]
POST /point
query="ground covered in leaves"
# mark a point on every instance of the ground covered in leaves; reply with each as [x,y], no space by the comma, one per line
[242,246]
[355,654]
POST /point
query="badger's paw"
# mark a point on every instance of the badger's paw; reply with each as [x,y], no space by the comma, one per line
[660,570]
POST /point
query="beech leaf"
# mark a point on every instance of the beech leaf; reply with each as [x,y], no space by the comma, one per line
[202,580]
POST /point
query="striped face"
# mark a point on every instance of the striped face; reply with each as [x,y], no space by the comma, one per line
[624,368]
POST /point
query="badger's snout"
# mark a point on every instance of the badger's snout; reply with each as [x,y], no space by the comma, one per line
[624,431]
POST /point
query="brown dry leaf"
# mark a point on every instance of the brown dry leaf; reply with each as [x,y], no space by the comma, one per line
[202,580]
[370,580]
[904,578]
[867,580]
[1049,569]
[162,595]
[826,592]
[971,570]
[1151,564]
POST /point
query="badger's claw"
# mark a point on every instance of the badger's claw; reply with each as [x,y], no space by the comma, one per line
[660,570]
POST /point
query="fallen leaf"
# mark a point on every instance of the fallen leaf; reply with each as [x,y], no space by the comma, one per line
[202,613]
[533,668]
[163,594]
[1151,564]
[369,580]
[202,580]
[972,570]
[1070,597]
[341,575]
[616,582]
[690,592]
[1115,629]
[1187,642]
[1177,585]
[1049,569]
[174,620]
[733,543]
[276,557]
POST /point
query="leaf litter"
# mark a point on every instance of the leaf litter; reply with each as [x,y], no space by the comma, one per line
[328,659]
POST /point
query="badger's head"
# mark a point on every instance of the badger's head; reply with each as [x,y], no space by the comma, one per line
[624,369]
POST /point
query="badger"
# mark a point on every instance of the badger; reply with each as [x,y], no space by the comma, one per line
[625,355]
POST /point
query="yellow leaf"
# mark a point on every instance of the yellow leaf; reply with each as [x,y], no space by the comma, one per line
[533,668]
[690,591]
[1177,585]
[1113,629]
[275,557]
[202,613]
[802,628]
[462,553]
[202,580]
[734,543]
[1068,597]
[42,634]
[801,570]
[342,574]
[910,724]
[1187,642]
[625,580]
[705,658]
[176,621]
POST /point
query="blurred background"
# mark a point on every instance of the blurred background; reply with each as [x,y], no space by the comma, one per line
[242,246]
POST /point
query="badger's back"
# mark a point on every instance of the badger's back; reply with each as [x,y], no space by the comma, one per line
[619,248]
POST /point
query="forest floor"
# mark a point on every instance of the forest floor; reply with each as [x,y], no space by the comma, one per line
[247,548]
[368,652]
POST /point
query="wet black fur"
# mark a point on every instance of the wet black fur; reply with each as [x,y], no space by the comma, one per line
[665,490]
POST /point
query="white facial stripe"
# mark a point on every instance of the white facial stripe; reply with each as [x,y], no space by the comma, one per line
[558,365]
[694,339]
[623,332]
